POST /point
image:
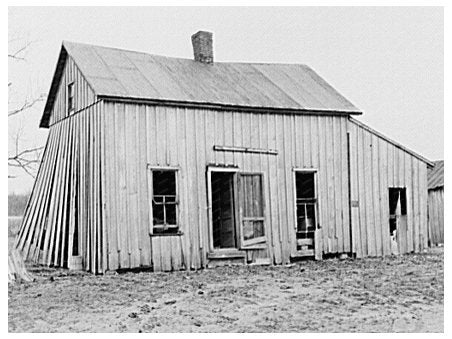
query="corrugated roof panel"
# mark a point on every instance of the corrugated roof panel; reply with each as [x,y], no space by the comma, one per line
[108,85]
[285,80]
[115,72]
[329,91]
[86,57]
[436,175]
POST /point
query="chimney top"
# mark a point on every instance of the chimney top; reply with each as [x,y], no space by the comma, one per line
[203,47]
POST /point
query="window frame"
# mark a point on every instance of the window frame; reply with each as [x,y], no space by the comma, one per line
[70,97]
[153,226]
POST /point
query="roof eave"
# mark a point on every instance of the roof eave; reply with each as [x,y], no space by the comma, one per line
[45,119]
[225,107]
[395,143]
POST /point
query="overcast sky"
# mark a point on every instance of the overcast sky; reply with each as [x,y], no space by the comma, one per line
[389,62]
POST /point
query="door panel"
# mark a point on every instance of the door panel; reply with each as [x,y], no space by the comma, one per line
[251,209]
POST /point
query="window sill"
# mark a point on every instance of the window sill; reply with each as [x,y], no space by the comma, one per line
[167,234]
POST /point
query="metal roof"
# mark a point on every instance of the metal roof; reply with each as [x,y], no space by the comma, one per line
[436,175]
[127,74]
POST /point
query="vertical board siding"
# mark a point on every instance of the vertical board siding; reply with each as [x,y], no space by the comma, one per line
[184,138]
[377,165]
[83,94]
[69,176]
[98,160]
[436,216]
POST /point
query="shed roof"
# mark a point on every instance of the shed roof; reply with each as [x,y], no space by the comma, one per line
[436,175]
[127,74]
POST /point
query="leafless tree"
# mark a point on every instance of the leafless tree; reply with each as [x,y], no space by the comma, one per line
[27,159]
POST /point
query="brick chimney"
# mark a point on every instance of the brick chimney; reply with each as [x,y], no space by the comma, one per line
[202,47]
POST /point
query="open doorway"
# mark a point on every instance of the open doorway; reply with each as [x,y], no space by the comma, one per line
[306,211]
[223,217]
[397,219]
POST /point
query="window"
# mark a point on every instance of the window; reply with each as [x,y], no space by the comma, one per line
[251,209]
[70,97]
[164,202]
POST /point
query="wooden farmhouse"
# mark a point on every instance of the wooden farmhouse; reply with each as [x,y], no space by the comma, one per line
[170,164]
[436,204]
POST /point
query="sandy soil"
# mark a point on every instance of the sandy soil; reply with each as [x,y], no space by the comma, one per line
[397,294]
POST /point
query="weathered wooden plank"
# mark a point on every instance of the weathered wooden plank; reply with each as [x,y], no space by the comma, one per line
[183,186]
[368,173]
[61,198]
[200,173]
[264,165]
[345,201]
[280,175]
[54,193]
[68,185]
[39,221]
[40,187]
[132,155]
[423,189]
[409,198]
[384,197]
[142,196]
[416,207]
[376,197]
[289,187]
[156,254]
[121,162]
[273,193]
[114,233]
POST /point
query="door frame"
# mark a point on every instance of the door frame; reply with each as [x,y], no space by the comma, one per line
[317,235]
[210,170]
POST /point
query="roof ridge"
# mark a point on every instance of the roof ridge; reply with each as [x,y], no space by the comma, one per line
[182,58]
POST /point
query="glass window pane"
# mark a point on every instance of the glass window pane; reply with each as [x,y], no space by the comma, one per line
[171,214]
[164,182]
[157,214]
[258,229]
[305,185]
[248,230]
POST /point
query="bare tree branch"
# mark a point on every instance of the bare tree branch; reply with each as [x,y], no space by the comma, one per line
[26,105]
[16,55]
[27,159]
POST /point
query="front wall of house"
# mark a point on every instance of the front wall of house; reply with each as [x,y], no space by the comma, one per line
[137,135]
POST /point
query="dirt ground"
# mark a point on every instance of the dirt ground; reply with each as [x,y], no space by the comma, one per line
[396,294]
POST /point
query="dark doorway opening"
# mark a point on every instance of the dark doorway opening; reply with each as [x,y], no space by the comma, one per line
[223,220]
[306,210]
[397,219]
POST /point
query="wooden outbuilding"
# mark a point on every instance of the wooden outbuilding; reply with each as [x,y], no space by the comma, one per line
[173,164]
[436,204]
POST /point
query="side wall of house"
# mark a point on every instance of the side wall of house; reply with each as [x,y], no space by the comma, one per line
[83,94]
[64,209]
[66,192]
[436,216]
[377,164]
[137,135]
